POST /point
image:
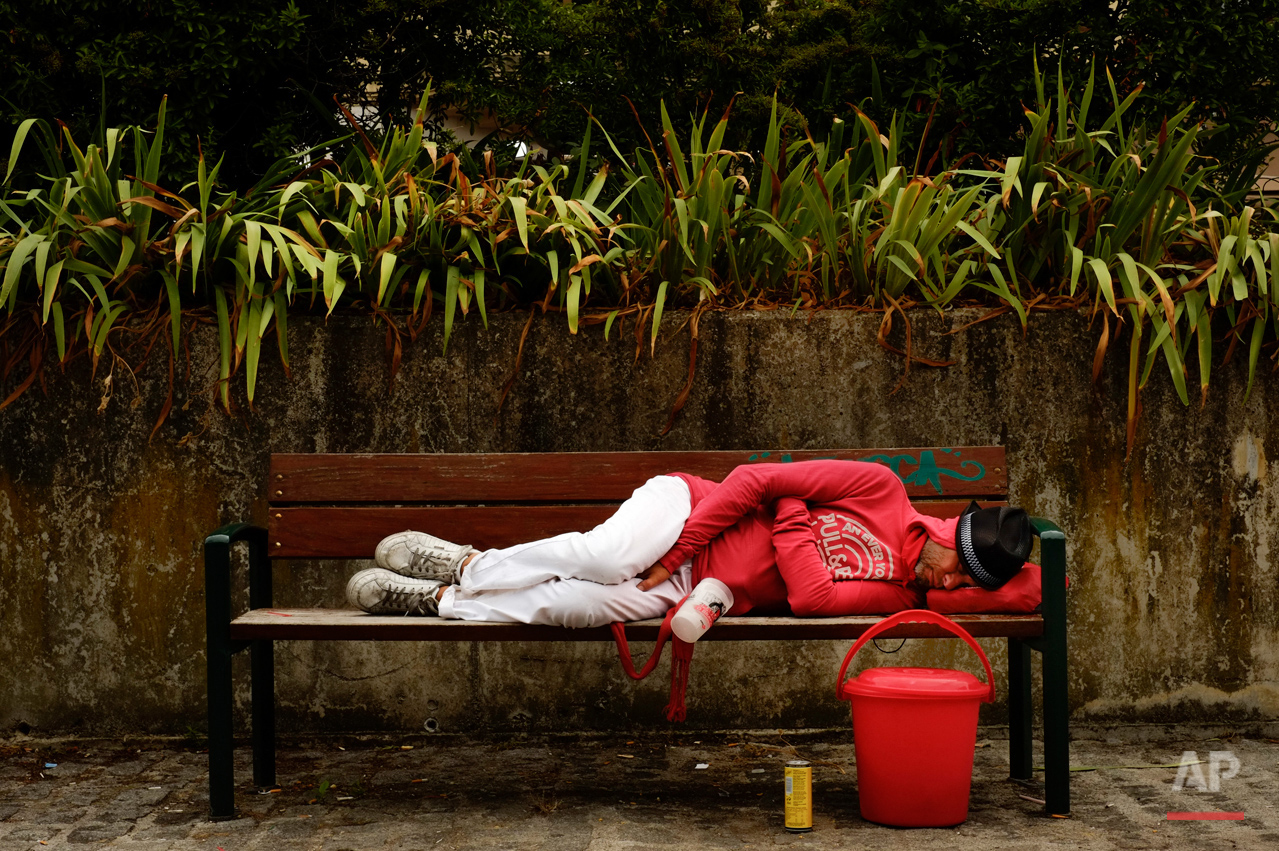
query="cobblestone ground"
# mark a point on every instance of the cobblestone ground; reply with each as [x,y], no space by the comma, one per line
[564,794]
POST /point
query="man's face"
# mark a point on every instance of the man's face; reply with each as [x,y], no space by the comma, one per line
[939,567]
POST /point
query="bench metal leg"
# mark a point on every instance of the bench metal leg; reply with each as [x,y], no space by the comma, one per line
[1056,732]
[221,739]
[263,655]
[1056,709]
[219,649]
[263,680]
[217,602]
[1021,766]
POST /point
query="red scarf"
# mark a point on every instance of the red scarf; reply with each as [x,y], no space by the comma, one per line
[681,660]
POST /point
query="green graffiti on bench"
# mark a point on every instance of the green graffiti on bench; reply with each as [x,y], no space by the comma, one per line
[784,458]
[926,470]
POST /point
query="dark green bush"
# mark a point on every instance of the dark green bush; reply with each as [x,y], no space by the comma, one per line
[969,59]
[254,81]
[243,77]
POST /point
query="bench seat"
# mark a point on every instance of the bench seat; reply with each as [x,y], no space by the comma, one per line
[350,625]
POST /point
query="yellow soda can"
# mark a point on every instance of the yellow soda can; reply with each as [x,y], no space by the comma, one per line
[799,796]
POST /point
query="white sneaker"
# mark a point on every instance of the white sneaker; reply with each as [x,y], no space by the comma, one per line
[382,592]
[422,556]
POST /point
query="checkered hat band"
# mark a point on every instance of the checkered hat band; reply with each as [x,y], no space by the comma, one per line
[974,565]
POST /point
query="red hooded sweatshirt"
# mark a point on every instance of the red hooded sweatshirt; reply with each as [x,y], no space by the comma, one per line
[788,534]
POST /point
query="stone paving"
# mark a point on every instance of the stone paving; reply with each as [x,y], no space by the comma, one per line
[606,793]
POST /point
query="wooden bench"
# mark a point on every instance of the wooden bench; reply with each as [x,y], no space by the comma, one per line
[340,506]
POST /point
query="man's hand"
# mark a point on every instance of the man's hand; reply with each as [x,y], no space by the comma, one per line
[653,576]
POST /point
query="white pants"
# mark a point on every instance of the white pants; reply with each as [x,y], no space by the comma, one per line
[582,579]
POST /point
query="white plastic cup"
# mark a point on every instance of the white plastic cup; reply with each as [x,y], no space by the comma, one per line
[709,600]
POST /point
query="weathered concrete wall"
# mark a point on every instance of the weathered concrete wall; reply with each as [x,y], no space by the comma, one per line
[1173,607]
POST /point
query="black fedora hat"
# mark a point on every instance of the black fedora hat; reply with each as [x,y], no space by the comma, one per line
[993,543]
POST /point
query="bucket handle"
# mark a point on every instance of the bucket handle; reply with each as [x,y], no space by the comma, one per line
[916,616]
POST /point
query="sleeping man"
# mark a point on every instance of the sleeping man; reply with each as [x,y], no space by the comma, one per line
[817,538]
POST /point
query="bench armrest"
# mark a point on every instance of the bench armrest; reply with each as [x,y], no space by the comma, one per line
[1043,524]
[233,532]
[217,573]
[1052,561]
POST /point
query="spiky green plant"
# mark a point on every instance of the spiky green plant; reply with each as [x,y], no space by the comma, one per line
[1094,212]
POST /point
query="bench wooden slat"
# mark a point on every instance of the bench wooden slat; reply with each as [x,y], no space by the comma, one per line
[929,473]
[351,625]
[353,532]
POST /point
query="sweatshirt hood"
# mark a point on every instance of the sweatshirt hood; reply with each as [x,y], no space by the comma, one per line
[922,528]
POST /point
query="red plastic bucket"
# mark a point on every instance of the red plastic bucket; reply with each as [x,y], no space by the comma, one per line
[914,732]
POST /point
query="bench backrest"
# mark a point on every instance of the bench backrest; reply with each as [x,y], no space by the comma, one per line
[340,506]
